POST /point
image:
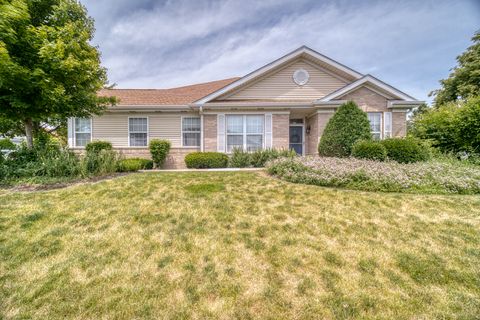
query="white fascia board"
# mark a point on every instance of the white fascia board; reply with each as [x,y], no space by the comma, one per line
[276,104]
[290,56]
[403,104]
[138,108]
[329,103]
[366,79]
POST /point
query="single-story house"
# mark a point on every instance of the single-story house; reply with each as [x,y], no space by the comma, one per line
[284,104]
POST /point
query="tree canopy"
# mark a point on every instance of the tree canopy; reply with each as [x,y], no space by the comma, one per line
[49,70]
[451,127]
[464,81]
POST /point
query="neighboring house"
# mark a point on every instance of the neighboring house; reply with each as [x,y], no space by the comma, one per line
[285,104]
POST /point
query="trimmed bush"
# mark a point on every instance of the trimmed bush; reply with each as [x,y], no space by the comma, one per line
[348,125]
[406,150]
[159,150]
[7,144]
[134,164]
[97,146]
[367,149]
[206,160]
[239,159]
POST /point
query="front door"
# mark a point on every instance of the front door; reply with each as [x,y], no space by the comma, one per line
[296,139]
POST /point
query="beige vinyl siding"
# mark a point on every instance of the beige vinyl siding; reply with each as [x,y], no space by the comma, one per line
[280,85]
[166,126]
[113,127]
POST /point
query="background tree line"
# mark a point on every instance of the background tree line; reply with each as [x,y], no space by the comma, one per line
[452,123]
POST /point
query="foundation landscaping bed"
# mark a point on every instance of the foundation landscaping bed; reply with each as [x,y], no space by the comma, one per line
[434,176]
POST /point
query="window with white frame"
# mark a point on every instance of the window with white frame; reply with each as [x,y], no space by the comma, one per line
[387,125]
[375,119]
[191,131]
[245,132]
[83,131]
[137,132]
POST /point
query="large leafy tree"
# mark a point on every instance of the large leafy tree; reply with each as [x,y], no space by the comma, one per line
[48,69]
[451,127]
[348,125]
[464,81]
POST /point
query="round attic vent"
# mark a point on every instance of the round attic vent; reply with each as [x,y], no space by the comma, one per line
[301,77]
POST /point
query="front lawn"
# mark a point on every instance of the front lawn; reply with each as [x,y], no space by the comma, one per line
[236,245]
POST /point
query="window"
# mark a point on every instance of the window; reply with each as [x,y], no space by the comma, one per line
[83,131]
[191,131]
[387,125]
[245,132]
[375,119]
[137,132]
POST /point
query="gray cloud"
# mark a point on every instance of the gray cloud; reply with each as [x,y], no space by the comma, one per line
[151,44]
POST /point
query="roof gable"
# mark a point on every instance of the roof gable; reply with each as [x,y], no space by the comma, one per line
[372,83]
[302,52]
[279,84]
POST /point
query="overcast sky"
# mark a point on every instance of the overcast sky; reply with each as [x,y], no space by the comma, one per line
[162,44]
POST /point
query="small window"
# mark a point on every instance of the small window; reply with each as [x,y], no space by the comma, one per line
[138,132]
[191,131]
[83,131]
[375,119]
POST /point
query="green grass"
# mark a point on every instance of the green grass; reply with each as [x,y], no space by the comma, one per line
[236,245]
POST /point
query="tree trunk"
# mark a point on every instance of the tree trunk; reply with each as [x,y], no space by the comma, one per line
[29,132]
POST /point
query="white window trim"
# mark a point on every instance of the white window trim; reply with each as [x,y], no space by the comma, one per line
[244,134]
[148,131]
[75,132]
[384,125]
[381,124]
[183,131]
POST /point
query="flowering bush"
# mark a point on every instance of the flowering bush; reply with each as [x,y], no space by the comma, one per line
[424,177]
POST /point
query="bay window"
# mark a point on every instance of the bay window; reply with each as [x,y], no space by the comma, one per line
[245,132]
[83,131]
[137,132]
[375,119]
[191,131]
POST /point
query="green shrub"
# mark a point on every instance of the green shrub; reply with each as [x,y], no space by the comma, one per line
[205,160]
[452,127]
[406,150]
[259,158]
[348,125]
[159,150]
[7,144]
[134,164]
[99,163]
[97,146]
[239,159]
[367,149]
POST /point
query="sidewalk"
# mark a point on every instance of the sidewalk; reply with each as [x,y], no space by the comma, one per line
[203,170]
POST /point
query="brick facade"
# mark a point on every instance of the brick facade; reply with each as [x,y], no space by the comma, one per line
[311,138]
[399,124]
[280,131]
[370,101]
[367,100]
[175,158]
[210,132]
